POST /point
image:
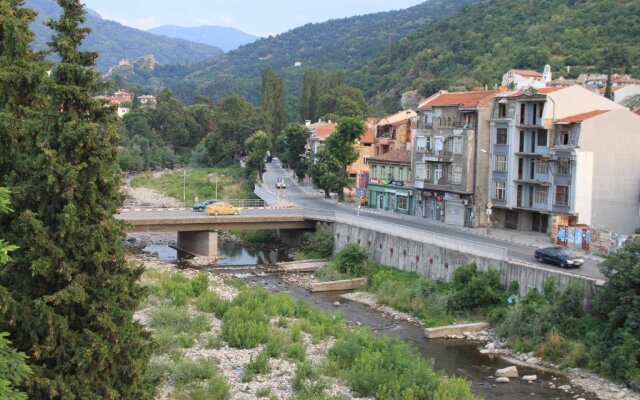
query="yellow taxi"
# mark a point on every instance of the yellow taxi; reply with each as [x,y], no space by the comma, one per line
[222,209]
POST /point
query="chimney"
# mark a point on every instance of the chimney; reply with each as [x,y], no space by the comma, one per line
[307,122]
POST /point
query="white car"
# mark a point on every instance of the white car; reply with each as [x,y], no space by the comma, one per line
[280,184]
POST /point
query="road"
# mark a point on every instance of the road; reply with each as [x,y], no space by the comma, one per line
[301,198]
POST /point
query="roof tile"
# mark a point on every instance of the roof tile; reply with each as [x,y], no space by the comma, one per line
[395,156]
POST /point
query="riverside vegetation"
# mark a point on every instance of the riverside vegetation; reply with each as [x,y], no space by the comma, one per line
[553,322]
[199,313]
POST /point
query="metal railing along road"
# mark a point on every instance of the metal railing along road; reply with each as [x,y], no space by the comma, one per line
[406,232]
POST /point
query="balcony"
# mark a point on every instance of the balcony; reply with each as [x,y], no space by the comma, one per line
[537,182]
[438,156]
[441,184]
[385,141]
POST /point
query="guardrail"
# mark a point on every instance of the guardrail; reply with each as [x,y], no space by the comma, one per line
[405,232]
[265,195]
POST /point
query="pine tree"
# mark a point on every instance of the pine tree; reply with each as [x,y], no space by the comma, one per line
[21,72]
[273,101]
[72,294]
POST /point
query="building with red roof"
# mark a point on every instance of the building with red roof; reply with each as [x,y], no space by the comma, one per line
[524,78]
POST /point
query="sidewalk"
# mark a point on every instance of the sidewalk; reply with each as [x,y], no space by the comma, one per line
[526,238]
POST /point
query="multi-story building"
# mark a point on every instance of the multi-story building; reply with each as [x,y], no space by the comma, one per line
[450,157]
[394,132]
[389,185]
[546,161]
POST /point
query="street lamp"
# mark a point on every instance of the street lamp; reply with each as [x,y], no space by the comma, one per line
[217,178]
[184,186]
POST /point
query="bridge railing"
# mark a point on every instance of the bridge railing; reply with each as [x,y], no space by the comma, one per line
[402,231]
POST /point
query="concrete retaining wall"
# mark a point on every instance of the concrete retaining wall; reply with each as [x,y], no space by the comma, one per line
[442,331]
[439,263]
[347,284]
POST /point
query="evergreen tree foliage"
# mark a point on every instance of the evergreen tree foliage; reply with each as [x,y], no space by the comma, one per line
[273,101]
[13,367]
[257,146]
[70,293]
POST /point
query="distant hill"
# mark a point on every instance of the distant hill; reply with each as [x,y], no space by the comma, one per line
[483,41]
[217,36]
[333,45]
[115,41]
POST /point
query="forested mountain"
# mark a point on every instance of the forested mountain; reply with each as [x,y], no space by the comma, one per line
[218,36]
[483,41]
[332,45]
[114,41]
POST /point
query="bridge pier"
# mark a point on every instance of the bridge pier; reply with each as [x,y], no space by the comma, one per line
[198,243]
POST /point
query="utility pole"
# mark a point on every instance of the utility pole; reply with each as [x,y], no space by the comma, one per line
[184,186]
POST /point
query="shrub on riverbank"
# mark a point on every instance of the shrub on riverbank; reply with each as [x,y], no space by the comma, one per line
[319,244]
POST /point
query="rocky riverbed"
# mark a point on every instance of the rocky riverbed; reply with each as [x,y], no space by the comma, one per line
[231,361]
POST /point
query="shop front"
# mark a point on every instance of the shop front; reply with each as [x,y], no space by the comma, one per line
[446,207]
[391,197]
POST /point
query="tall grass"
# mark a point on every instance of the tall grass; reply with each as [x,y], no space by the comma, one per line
[198,182]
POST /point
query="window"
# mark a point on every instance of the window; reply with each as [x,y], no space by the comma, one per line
[501,163]
[502,110]
[374,171]
[523,112]
[542,167]
[423,143]
[383,172]
[402,202]
[456,174]
[420,172]
[541,195]
[564,167]
[401,174]
[457,145]
[449,121]
[542,138]
[365,160]
[428,171]
[501,136]
[562,195]
[564,137]
[501,191]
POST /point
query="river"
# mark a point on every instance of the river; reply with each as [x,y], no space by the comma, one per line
[455,357]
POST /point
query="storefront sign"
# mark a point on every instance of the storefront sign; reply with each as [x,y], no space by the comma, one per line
[396,183]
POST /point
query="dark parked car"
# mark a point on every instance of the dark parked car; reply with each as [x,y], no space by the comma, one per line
[203,204]
[558,256]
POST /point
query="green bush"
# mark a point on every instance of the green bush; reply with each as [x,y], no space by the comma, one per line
[351,259]
[319,244]
[381,366]
[212,303]
[258,236]
[454,389]
[189,371]
[258,366]
[296,351]
[475,288]
[244,328]
[199,283]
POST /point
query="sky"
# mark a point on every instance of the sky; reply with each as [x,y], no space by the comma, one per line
[260,18]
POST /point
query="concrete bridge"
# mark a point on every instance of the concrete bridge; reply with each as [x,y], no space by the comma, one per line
[198,233]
